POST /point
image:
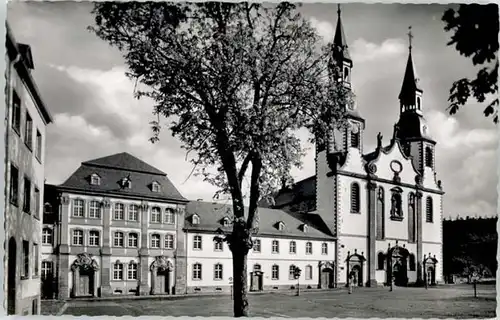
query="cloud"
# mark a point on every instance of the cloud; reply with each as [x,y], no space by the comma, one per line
[364,51]
[324,28]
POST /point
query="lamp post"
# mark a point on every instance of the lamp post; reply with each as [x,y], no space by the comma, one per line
[296,275]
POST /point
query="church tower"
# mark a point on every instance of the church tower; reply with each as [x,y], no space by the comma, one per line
[411,129]
[349,138]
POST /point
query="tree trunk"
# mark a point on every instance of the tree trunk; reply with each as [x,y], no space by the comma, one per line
[240,301]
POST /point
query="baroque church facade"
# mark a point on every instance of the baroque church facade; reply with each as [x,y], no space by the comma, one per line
[118,226]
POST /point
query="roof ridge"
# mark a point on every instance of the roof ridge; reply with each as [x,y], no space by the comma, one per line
[124,161]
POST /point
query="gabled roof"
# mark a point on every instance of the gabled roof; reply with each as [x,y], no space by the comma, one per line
[124,161]
[301,191]
[113,169]
[211,213]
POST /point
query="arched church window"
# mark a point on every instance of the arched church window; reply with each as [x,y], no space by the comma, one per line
[411,217]
[428,210]
[411,262]
[346,74]
[355,198]
[380,261]
[380,214]
[429,159]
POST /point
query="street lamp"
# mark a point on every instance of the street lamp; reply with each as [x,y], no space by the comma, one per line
[296,275]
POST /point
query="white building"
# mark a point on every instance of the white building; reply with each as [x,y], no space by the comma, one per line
[26,119]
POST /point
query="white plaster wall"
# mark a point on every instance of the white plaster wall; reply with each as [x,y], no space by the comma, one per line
[350,244]
[432,231]
[435,249]
[352,223]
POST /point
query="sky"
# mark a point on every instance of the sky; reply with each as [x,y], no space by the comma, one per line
[82,81]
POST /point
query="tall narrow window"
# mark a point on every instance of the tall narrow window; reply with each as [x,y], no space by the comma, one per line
[27,196]
[197,242]
[94,238]
[218,272]
[275,272]
[275,246]
[218,245]
[429,212]
[346,74]
[119,211]
[396,205]
[46,270]
[380,261]
[291,272]
[28,131]
[35,259]
[133,212]
[16,115]
[78,237]
[429,157]
[47,236]
[380,214]
[197,271]
[14,185]
[256,245]
[324,248]
[37,203]
[156,215]
[169,216]
[355,198]
[293,247]
[26,259]
[169,241]
[38,153]
[94,209]
[355,138]
[118,239]
[132,271]
[309,248]
[411,217]
[155,241]
[132,240]
[118,271]
[309,272]
[78,207]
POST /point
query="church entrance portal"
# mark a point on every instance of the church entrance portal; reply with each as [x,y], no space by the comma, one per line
[397,269]
[430,269]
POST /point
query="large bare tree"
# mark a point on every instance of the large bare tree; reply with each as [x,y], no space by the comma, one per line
[236,80]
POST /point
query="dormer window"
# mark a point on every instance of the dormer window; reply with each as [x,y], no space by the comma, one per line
[305,228]
[281,226]
[95,180]
[195,219]
[225,222]
[155,187]
[126,183]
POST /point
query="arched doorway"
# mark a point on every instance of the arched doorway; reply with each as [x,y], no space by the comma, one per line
[397,269]
[161,276]
[256,278]
[430,269]
[326,275]
[355,263]
[11,278]
[84,276]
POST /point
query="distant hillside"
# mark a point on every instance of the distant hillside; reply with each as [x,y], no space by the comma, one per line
[470,247]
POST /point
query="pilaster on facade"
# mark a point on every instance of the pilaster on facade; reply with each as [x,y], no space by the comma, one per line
[371,217]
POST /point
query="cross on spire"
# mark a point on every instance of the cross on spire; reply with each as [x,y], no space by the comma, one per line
[338,10]
[410,37]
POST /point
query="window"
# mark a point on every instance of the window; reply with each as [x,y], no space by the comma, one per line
[305,228]
[155,241]
[119,211]
[218,271]
[14,185]
[27,195]
[281,226]
[225,222]
[155,215]
[169,216]
[28,131]
[35,259]
[94,238]
[324,248]
[355,139]
[118,271]
[355,198]
[275,272]
[37,202]
[155,187]
[78,207]
[197,242]
[428,210]
[380,261]
[132,240]
[346,74]
[412,221]
[94,209]
[132,271]
[169,241]
[46,236]
[291,272]
[293,247]
[95,180]
[411,263]
[133,212]
[78,237]
[309,272]
[218,245]
[256,245]
[197,271]
[38,153]
[26,259]
[16,115]
[196,219]
[118,239]
[429,157]
[309,248]
[380,221]
[46,269]
[418,103]
[275,246]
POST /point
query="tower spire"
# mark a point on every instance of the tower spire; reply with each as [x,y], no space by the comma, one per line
[410,87]
[340,40]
